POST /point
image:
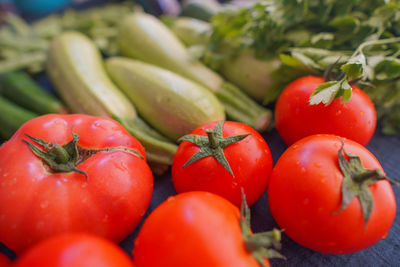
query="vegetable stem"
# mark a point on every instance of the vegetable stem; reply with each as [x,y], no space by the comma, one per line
[375,42]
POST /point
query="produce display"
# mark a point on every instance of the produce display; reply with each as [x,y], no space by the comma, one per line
[234,134]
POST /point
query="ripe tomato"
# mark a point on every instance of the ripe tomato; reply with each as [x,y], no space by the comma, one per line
[74,250]
[304,197]
[4,260]
[36,202]
[295,118]
[249,159]
[194,229]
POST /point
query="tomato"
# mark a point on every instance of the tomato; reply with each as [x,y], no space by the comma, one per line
[295,118]
[4,260]
[194,229]
[304,197]
[249,159]
[74,250]
[109,199]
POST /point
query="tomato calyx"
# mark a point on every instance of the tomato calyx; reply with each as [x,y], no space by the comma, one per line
[356,181]
[65,158]
[212,145]
[259,245]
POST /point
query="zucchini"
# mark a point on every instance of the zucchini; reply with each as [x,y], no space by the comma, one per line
[12,117]
[20,88]
[75,67]
[254,76]
[144,37]
[200,9]
[170,103]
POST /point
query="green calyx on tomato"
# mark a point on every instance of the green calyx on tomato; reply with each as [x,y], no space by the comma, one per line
[260,245]
[65,158]
[212,145]
[356,181]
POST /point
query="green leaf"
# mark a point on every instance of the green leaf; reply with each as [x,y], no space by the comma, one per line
[354,68]
[325,93]
[388,69]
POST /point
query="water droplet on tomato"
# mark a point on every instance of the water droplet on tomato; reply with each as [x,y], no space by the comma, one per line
[338,113]
[361,113]
[316,164]
[303,170]
[106,218]
[121,166]
[323,181]
[306,201]
[44,204]
[84,185]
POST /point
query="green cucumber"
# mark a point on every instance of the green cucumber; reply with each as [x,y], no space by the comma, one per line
[12,117]
[20,88]
[76,69]
[144,37]
[170,103]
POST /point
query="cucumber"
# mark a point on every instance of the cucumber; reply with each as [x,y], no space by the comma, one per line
[170,103]
[20,88]
[144,37]
[75,67]
[12,117]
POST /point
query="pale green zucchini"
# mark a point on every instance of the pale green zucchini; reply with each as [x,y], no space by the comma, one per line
[144,37]
[252,75]
[170,103]
[76,69]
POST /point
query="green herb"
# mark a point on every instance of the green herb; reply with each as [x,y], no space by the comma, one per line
[356,40]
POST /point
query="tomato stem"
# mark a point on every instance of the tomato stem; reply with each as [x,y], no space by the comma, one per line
[212,145]
[65,158]
[356,182]
[211,138]
[260,245]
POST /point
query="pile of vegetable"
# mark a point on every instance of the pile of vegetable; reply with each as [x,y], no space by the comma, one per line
[352,41]
[146,94]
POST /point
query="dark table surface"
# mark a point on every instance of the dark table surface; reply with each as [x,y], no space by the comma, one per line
[384,253]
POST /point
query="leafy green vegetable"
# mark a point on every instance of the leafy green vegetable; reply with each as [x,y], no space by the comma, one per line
[357,41]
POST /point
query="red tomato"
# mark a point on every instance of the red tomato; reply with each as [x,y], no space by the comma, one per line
[304,197]
[250,160]
[295,118]
[4,260]
[74,250]
[36,203]
[193,229]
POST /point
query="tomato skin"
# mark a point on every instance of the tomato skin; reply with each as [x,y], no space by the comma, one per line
[250,160]
[35,204]
[194,229]
[4,260]
[304,197]
[295,118]
[74,250]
